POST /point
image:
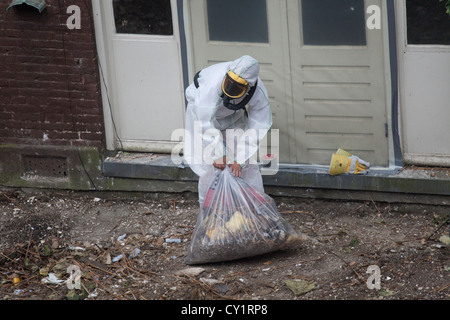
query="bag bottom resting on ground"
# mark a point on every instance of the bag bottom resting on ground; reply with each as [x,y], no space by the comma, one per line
[237,221]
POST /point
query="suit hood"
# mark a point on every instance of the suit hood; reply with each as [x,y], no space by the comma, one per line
[246,67]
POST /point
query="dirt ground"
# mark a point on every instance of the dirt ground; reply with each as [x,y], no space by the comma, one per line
[43,233]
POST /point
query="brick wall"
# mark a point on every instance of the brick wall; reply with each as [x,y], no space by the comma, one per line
[49,78]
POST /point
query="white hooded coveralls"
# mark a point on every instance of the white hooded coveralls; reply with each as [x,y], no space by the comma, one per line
[205,111]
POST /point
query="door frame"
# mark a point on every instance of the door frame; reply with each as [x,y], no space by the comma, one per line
[376,41]
[100,29]
[103,35]
[408,157]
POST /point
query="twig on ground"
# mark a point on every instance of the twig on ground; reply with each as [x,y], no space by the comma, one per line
[354,210]
[203,286]
[348,265]
[443,223]
[379,212]
[442,288]
[93,276]
[17,205]
[8,258]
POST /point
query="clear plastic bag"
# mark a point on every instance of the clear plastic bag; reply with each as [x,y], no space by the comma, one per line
[237,221]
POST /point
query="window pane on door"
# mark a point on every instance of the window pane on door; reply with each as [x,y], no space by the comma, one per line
[427,22]
[334,22]
[143,17]
[238,20]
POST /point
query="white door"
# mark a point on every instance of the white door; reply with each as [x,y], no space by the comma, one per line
[339,73]
[325,73]
[144,71]
[424,56]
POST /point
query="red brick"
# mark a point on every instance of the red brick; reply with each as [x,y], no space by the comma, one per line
[5,116]
[45,87]
[53,118]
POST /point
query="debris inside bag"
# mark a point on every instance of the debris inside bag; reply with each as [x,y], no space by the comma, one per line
[237,221]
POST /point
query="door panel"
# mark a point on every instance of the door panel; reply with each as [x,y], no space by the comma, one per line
[145,72]
[339,91]
[424,69]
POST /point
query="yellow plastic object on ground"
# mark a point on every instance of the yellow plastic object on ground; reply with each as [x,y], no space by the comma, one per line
[343,152]
[344,162]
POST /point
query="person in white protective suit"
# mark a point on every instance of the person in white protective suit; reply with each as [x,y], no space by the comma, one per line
[228,95]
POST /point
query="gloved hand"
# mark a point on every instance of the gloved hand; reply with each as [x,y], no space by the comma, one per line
[235,169]
[220,163]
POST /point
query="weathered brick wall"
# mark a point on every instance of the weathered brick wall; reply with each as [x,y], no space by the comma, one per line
[49,78]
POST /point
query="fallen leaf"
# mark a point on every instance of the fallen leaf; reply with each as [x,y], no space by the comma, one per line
[16,278]
[55,243]
[44,271]
[107,259]
[209,281]
[300,287]
[194,271]
[221,288]
[386,293]
[52,278]
[445,239]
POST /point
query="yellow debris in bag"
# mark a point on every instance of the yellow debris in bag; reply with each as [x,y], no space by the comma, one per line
[216,234]
[236,222]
